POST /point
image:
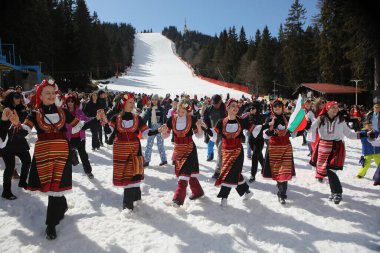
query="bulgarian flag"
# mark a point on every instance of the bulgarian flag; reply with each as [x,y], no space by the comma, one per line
[297,121]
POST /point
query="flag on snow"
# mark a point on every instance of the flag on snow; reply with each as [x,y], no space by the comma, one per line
[297,121]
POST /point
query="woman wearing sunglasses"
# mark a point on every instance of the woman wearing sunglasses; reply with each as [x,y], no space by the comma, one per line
[78,140]
[16,145]
[312,134]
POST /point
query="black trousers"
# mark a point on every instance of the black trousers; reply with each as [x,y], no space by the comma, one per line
[80,145]
[105,135]
[131,195]
[282,187]
[334,181]
[57,206]
[257,156]
[9,160]
[100,134]
[225,191]
[95,135]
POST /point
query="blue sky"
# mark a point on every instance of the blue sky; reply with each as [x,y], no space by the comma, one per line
[207,16]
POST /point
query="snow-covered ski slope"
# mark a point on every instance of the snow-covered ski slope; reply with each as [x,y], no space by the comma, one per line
[157,69]
[95,221]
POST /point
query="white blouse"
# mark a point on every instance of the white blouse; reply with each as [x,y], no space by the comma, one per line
[334,130]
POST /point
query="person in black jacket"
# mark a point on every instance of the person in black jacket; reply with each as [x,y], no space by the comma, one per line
[213,113]
[90,109]
[15,145]
[256,143]
[104,104]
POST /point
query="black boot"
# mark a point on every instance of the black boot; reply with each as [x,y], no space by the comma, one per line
[51,234]
[137,194]
[337,198]
[7,193]
[282,187]
[129,197]
[281,200]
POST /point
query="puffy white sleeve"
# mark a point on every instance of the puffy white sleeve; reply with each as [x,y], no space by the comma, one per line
[349,133]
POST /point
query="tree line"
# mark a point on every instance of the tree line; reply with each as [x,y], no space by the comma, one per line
[69,43]
[342,43]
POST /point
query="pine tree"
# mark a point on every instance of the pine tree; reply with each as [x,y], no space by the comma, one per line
[293,45]
[265,61]
[84,42]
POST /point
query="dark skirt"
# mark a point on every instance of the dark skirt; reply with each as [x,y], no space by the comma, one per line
[232,166]
[185,157]
[279,162]
[127,163]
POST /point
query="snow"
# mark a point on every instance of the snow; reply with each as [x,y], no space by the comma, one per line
[157,69]
[95,221]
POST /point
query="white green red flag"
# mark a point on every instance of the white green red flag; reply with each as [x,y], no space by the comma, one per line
[297,121]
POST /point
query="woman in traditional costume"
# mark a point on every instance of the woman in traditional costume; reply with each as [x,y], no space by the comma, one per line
[51,169]
[185,155]
[329,153]
[128,161]
[279,163]
[231,129]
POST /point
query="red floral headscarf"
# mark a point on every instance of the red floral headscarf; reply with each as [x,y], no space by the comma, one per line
[41,86]
[328,106]
[125,98]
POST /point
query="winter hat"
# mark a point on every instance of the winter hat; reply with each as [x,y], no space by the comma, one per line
[255,105]
[155,96]
[101,92]
[41,86]
[216,99]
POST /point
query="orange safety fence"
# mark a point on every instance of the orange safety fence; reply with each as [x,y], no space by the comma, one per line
[234,86]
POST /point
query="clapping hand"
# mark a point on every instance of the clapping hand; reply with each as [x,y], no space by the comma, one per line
[201,124]
[163,128]
[14,118]
[6,114]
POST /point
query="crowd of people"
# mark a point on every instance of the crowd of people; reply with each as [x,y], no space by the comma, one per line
[225,124]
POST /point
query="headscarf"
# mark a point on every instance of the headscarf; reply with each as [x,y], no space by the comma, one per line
[41,86]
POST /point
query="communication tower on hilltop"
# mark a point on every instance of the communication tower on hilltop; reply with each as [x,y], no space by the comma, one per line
[185,30]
